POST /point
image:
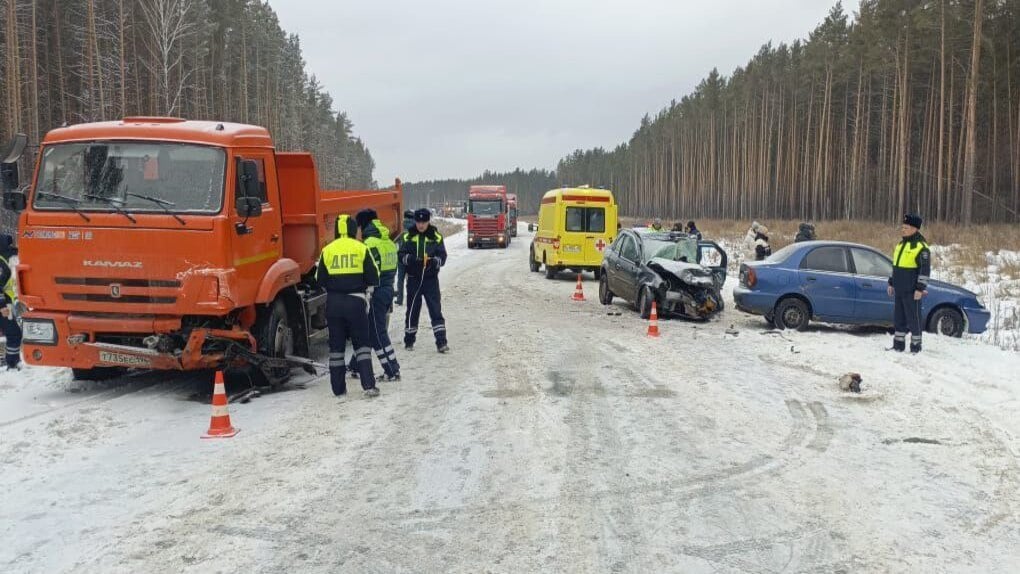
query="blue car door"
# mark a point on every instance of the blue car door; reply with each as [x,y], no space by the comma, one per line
[827,282]
[871,274]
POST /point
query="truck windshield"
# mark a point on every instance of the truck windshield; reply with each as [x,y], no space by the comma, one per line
[132,177]
[486,207]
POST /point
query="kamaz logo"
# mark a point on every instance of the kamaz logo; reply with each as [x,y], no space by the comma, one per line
[113,264]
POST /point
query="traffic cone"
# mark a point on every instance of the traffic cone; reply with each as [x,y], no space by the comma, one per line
[653,321]
[579,291]
[219,426]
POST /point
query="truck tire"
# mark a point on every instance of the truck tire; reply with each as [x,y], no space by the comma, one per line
[533,263]
[97,373]
[274,338]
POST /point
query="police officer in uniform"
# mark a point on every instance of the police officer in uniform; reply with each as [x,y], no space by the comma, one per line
[8,322]
[348,273]
[423,254]
[384,252]
[909,283]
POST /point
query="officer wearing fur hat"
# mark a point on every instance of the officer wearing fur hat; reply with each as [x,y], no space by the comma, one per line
[909,283]
[423,253]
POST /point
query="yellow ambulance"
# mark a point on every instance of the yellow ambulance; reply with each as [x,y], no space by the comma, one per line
[575,227]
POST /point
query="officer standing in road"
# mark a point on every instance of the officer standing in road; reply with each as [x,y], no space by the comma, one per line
[8,321]
[401,271]
[384,252]
[423,254]
[909,283]
[348,273]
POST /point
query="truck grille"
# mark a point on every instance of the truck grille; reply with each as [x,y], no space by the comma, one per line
[110,290]
[485,226]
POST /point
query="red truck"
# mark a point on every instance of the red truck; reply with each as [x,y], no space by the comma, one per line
[166,244]
[488,216]
[511,200]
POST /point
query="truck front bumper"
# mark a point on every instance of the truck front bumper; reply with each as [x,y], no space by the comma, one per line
[73,343]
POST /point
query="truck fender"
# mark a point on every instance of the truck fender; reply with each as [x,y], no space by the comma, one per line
[284,273]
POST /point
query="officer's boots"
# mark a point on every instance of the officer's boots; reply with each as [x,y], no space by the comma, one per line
[899,345]
[915,347]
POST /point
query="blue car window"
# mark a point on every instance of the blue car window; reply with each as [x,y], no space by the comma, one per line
[870,263]
[830,259]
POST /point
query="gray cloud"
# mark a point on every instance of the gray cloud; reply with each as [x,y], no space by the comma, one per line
[448,88]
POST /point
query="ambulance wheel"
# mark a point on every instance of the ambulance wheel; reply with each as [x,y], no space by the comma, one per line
[274,338]
[605,295]
[97,373]
[597,272]
[551,271]
[533,263]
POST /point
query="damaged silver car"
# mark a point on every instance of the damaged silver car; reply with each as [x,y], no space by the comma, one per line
[683,276]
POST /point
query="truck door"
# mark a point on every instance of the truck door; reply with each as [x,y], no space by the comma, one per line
[256,242]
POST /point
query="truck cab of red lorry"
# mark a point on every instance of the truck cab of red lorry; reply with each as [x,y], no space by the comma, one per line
[160,243]
[488,216]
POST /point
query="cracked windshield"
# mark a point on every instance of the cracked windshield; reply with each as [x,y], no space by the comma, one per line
[134,177]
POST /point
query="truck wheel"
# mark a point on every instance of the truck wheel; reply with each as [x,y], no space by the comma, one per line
[533,263]
[605,295]
[274,338]
[97,373]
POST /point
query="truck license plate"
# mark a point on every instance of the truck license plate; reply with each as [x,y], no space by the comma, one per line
[122,359]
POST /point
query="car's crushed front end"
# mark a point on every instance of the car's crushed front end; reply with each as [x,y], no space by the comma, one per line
[685,289]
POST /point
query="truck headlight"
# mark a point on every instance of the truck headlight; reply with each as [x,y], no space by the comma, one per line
[39,331]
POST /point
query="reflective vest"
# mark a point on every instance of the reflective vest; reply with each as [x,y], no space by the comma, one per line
[421,243]
[905,254]
[9,290]
[385,246]
[345,255]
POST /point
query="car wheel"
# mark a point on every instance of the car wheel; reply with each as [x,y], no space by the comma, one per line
[533,263]
[792,314]
[644,303]
[946,321]
[550,271]
[605,295]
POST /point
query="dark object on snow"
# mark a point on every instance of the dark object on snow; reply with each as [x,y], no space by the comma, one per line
[850,382]
[762,249]
[805,233]
[644,266]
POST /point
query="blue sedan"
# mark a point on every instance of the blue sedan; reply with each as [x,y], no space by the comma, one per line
[838,282]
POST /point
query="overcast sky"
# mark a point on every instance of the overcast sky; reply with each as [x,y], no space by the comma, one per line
[449,88]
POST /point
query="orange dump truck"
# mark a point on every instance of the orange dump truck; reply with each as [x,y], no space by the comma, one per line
[160,243]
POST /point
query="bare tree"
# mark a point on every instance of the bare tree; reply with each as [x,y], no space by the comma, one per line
[168,25]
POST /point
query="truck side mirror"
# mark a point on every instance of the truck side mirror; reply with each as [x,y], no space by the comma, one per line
[15,201]
[9,180]
[249,207]
[248,178]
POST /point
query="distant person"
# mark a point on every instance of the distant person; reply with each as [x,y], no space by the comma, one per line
[909,283]
[678,227]
[805,233]
[401,270]
[347,272]
[657,224]
[751,236]
[8,321]
[693,231]
[423,254]
[762,249]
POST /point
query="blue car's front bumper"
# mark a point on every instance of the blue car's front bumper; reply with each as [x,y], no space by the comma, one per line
[754,302]
[977,320]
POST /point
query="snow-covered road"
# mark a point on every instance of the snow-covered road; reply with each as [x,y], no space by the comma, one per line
[555,437]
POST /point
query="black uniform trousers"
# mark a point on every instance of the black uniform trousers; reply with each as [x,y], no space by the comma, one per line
[907,318]
[12,333]
[427,289]
[347,316]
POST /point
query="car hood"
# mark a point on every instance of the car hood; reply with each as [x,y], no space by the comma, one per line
[679,267]
[950,288]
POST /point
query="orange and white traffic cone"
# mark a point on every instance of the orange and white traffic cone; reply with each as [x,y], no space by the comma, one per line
[653,321]
[579,291]
[219,426]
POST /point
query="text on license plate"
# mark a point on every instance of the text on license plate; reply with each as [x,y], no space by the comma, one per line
[122,359]
[572,248]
